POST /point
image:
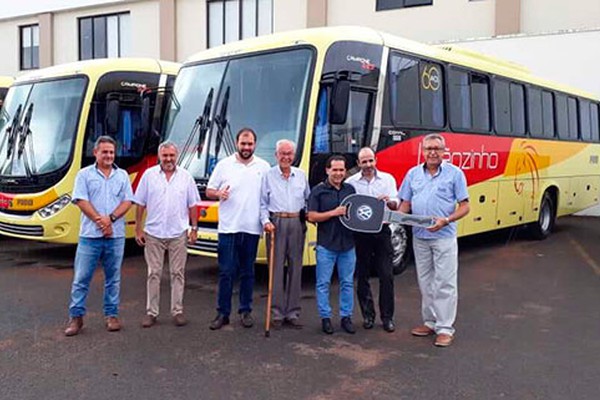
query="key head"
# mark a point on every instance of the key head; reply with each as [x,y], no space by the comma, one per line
[363,213]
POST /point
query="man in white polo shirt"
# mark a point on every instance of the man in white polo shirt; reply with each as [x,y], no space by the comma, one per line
[169,195]
[236,183]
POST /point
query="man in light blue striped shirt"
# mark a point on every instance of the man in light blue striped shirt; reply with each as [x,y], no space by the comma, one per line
[283,199]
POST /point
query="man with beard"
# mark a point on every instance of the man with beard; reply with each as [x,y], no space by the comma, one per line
[236,183]
[335,243]
[435,188]
[375,249]
[103,193]
[169,195]
[283,201]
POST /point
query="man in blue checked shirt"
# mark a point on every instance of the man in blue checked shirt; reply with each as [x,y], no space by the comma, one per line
[439,189]
[103,193]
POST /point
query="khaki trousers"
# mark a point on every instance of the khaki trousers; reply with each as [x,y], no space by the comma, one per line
[154,252]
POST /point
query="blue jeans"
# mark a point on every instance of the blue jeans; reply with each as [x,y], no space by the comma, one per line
[89,252]
[346,261]
[237,254]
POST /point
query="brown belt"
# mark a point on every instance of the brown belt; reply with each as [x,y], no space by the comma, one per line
[285,214]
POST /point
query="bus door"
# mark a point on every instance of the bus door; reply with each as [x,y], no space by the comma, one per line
[345,109]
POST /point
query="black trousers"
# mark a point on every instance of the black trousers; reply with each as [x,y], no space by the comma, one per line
[374,251]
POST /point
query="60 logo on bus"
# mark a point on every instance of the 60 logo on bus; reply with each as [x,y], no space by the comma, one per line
[431,78]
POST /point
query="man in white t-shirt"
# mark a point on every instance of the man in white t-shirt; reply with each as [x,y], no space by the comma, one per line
[236,183]
[169,196]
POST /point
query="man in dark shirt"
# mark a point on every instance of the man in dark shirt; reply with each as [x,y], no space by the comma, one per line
[335,243]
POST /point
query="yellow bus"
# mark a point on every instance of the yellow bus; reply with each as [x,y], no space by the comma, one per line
[50,120]
[5,82]
[529,147]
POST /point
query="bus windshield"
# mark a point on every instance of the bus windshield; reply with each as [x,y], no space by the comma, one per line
[266,92]
[37,126]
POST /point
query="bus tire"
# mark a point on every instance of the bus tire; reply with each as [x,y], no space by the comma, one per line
[401,249]
[541,229]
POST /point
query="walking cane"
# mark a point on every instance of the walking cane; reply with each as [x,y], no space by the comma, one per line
[270,294]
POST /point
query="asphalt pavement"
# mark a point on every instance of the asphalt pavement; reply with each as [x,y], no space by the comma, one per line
[528,328]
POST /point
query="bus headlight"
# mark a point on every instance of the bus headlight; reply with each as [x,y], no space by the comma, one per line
[55,207]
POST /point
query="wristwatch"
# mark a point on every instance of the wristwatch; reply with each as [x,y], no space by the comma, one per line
[447,221]
[113,217]
[194,228]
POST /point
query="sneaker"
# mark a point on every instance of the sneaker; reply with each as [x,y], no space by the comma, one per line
[179,320]
[347,325]
[422,330]
[246,319]
[218,322]
[113,324]
[326,326]
[74,326]
[148,321]
[443,340]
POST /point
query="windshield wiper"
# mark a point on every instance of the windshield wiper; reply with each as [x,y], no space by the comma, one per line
[224,129]
[202,125]
[26,133]
[10,137]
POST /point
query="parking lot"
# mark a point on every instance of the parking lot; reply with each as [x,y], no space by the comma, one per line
[528,328]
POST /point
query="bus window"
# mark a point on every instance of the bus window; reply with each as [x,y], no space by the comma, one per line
[548,113]
[534,112]
[572,112]
[594,122]
[517,109]
[584,118]
[502,107]
[562,117]
[469,101]
[432,95]
[350,137]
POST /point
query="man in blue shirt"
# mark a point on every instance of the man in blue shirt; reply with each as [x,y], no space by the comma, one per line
[103,193]
[335,243]
[435,188]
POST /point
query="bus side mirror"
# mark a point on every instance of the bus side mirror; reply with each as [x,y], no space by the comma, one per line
[340,99]
[112,117]
[146,116]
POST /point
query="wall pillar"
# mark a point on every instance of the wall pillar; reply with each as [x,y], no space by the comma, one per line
[46,48]
[316,13]
[508,17]
[167,26]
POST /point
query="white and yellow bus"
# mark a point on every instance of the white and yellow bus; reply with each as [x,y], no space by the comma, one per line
[528,147]
[50,121]
[5,82]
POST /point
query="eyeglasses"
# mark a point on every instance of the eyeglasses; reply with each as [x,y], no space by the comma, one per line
[428,149]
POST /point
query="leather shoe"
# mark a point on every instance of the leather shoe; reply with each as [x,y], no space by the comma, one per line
[74,326]
[443,340]
[369,323]
[422,330]
[218,322]
[113,324]
[294,323]
[148,321]
[388,326]
[347,325]
[247,320]
[179,320]
[326,326]
[276,323]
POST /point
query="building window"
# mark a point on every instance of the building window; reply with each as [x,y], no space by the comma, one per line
[382,5]
[231,20]
[30,47]
[104,36]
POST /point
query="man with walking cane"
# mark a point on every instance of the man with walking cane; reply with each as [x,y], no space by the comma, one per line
[284,194]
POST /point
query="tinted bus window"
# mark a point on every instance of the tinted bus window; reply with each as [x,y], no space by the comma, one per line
[548,113]
[517,109]
[469,101]
[572,110]
[416,92]
[562,119]
[502,107]
[594,122]
[584,118]
[481,102]
[534,112]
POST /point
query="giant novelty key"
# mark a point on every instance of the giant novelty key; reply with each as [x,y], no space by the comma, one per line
[368,214]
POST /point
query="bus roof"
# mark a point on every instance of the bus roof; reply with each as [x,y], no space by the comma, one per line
[101,66]
[6,81]
[323,37]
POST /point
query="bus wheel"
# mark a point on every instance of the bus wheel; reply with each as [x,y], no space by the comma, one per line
[401,248]
[542,228]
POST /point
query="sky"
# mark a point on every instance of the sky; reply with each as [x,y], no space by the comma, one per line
[12,8]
